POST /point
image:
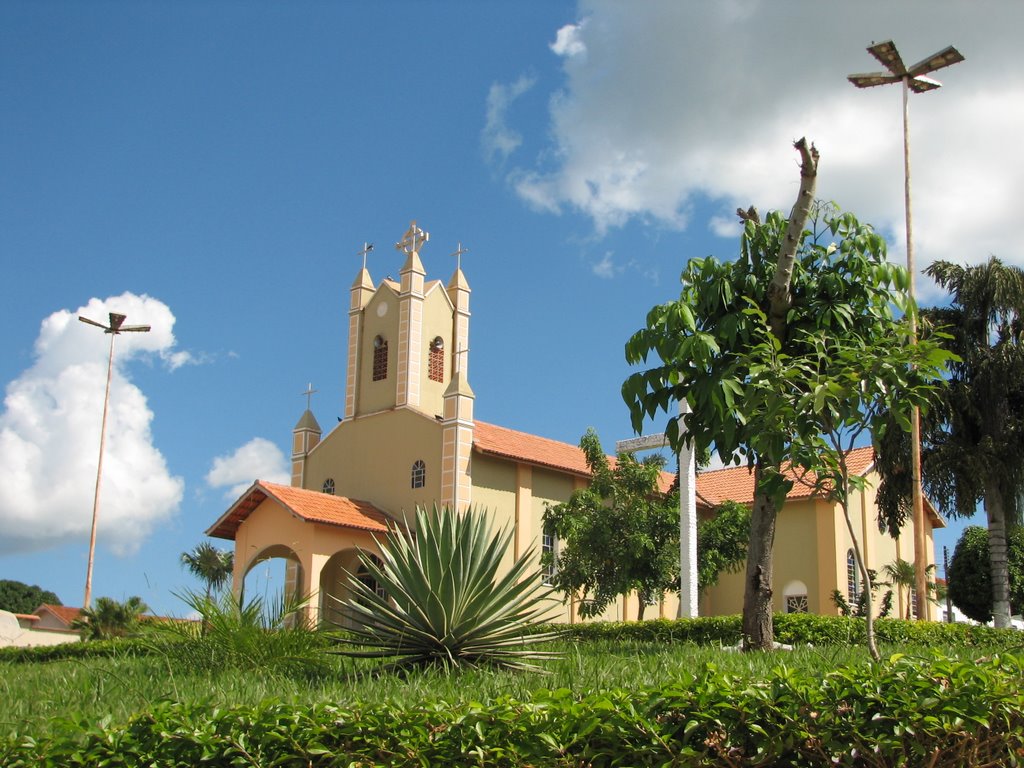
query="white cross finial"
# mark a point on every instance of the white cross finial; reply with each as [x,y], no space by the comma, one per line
[309,395]
[367,247]
[413,238]
[458,255]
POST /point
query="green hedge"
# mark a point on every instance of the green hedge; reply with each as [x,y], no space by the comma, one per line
[926,711]
[126,646]
[798,629]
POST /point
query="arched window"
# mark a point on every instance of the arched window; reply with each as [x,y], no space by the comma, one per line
[380,358]
[852,583]
[419,474]
[329,486]
[795,594]
[547,546]
[363,575]
[435,369]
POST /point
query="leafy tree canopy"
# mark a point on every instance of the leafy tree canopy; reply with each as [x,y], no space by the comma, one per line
[18,597]
[618,535]
[969,579]
[108,618]
[722,542]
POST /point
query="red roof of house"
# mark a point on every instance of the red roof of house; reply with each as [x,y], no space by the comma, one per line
[64,613]
[737,483]
[309,506]
[531,449]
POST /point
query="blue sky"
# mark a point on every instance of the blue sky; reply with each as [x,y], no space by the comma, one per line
[213,169]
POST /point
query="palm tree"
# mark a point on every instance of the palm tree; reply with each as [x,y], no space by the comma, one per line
[901,575]
[108,618]
[976,453]
[211,565]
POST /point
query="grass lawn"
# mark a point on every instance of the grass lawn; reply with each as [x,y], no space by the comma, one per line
[41,697]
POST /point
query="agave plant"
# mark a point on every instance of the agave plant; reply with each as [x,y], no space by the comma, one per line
[446,602]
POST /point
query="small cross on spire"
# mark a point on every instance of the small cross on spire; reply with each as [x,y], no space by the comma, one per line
[458,255]
[367,247]
[309,395]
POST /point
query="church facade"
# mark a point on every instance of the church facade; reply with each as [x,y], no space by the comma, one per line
[409,438]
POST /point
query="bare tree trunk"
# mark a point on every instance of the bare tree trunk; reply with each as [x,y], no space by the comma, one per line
[869,609]
[778,291]
[758,627]
[996,514]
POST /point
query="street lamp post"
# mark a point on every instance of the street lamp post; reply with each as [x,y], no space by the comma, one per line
[913,79]
[115,327]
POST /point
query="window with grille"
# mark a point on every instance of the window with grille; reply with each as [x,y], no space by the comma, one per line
[419,474]
[380,358]
[852,584]
[329,486]
[796,604]
[435,369]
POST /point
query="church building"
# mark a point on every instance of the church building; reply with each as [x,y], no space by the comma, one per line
[408,438]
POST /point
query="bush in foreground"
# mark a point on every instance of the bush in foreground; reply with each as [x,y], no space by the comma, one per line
[927,711]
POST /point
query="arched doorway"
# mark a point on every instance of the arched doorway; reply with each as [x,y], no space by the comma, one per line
[273,575]
[334,590]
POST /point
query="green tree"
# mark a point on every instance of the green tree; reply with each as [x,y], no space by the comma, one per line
[17,597]
[902,575]
[618,535]
[108,618]
[846,386]
[212,566]
[765,351]
[969,579]
[977,452]
[722,542]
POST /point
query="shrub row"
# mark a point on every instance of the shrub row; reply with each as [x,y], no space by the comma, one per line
[926,711]
[125,646]
[800,629]
[792,628]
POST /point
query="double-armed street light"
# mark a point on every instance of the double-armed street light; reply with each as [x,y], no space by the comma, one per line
[115,327]
[913,79]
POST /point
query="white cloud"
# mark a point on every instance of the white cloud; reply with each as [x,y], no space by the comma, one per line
[50,430]
[678,100]
[259,459]
[568,41]
[499,141]
[605,267]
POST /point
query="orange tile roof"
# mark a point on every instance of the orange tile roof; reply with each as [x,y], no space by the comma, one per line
[737,483]
[542,451]
[64,613]
[311,506]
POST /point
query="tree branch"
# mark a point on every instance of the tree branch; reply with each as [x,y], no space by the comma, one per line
[778,291]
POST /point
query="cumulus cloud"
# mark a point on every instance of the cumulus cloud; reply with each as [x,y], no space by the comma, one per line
[568,41]
[678,101]
[499,141]
[259,459]
[50,430]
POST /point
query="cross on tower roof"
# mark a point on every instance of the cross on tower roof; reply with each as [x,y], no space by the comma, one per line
[309,395]
[413,238]
[367,247]
[458,255]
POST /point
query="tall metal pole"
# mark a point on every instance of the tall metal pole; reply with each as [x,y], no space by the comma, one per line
[99,475]
[115,327]
[912,78]
[917,496]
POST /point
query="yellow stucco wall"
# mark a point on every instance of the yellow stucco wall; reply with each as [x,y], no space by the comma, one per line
[811,544]
[379,318]
[437,321]
[371,458]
